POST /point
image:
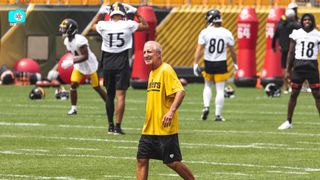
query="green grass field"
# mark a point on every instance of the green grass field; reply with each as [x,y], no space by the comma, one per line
[39,141]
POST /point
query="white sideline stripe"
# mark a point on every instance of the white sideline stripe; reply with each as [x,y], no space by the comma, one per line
[282,172]
[250,112]
[125,147]
[309,123]
[253,132]
[60,125]
[34,150]
[82,149]
[169,175]
[228,173]
[92,127]
[307,169]
[38,177]
[122,177]
[187,145]
[70,138]
[187,130]
[312,143]
[21,124]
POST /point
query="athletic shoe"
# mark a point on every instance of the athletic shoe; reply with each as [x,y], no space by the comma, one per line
[72,112]
[219,118]
[118,131]
[285,125]
[205,113]
[306,89]
[110,129]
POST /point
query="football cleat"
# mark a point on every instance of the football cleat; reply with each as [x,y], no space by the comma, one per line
[118,131]
[72,112]
[111,130]
[219,118]
[205,113]
[285,125]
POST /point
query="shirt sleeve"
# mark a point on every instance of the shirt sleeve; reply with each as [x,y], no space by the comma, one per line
[82,41]
[65,42]
[172,83]
[99,27]
[133,26]
[293,34]
[230,40]
[201,38]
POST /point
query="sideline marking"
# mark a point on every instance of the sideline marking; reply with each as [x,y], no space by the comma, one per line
[282,172]
[122,177]
[307,169]
[228,173]
[186,145]
[39,177]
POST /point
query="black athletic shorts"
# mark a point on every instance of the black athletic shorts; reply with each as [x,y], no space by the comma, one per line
[305,70]
[284,55]
[165,148]
[217,67]
[118,78]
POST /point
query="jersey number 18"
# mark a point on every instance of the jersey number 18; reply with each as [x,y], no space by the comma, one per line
[309,51]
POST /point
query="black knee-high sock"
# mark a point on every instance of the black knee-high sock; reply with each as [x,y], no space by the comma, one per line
[110,108]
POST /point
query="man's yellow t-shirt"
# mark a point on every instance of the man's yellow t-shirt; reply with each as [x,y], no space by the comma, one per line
[163,83]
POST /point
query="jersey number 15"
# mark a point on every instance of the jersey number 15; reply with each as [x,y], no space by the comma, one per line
[118,37]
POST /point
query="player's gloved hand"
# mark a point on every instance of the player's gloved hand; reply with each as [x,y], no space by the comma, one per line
[235,66]
[104,9]
[67,63]
[196,70]
[129,8]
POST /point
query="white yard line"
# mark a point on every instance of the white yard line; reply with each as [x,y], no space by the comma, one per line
[33,150]
[306,169]
[169,175]
[230,173]
[288,172]
[38,177]
[82,149]
[121,177]
[21,124]
[207,132]
[311,143]
[185,145]
[253,132]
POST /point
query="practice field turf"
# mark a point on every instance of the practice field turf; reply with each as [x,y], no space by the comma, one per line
[39,141]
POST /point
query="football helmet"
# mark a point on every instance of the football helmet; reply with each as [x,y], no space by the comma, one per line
[7,77]
[61,94]
[117,8]
[34,78]
[272,90]
[37,93]
[229,92]
[68,27]
[213,16]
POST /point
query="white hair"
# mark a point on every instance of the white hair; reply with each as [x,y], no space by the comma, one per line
[156,46]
